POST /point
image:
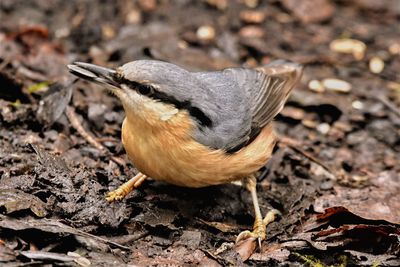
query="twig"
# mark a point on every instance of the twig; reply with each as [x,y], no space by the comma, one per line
[293,144]
[82,233]
[119,161]
[73,118]
[389,105]
[4,64]
[107,139]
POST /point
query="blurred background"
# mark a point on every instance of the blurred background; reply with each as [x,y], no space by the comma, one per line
[60,140]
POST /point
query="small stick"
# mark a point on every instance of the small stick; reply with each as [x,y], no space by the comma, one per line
[294,145]
[389,105]
[118,160]
[73,118]
[82,233]
[4,64]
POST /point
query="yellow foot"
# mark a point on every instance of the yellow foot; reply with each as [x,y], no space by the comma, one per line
[259,229]
[122,191]
[116,195]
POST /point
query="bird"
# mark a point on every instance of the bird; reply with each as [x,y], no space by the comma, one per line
[198,129]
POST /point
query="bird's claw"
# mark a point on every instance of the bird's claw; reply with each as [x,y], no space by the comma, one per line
[116,195]
[123,190]
[259,232]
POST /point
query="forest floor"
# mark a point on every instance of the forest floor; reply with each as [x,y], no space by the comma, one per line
[335,174]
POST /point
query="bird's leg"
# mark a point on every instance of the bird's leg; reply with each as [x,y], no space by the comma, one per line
[123,190]
[260,224]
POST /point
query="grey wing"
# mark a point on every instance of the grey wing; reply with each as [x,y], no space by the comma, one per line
[228,108]
[267,88]
[243,101]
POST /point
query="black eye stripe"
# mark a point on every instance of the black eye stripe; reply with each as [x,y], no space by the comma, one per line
[200,116]
[195,112]
[145,89]
[151,91]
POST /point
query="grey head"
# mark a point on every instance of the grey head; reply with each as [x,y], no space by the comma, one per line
[228,107]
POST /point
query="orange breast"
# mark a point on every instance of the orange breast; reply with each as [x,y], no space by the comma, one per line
[168,153]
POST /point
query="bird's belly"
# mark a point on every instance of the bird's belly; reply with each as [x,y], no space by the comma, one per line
[177,159]
[171,160]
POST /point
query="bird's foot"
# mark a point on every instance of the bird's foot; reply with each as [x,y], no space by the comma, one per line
[259,232]
[122,191]
[117,194]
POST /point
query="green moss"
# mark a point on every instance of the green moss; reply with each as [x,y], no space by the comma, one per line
[16,103]
[37,86]
[312,261]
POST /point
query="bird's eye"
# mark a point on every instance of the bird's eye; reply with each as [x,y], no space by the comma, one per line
[145,89]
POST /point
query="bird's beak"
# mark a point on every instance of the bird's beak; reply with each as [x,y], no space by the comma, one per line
[94,73]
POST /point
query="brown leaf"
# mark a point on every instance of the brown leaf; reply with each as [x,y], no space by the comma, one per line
[15,200]
[310,11]
[6,254]
[49,160]
[31,36]
[158,217]
[42,255]
[246,248]
[50,226]
[378,202]
[337,228]
[372,260]
[53,104]
[223,227]
[276,252]
[191,239]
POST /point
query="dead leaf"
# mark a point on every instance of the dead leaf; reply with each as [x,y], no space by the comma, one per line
[378,202]
[6,254]
[50,226]
[310,11]
[42,255]
[338,228]
[158,217]
[276,252]
[15,200]
[54,102]
[190,239]
[223,227]
[246,248]
[366,259]
[51,161]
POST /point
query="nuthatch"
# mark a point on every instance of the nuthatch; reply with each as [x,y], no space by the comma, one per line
[197,129]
